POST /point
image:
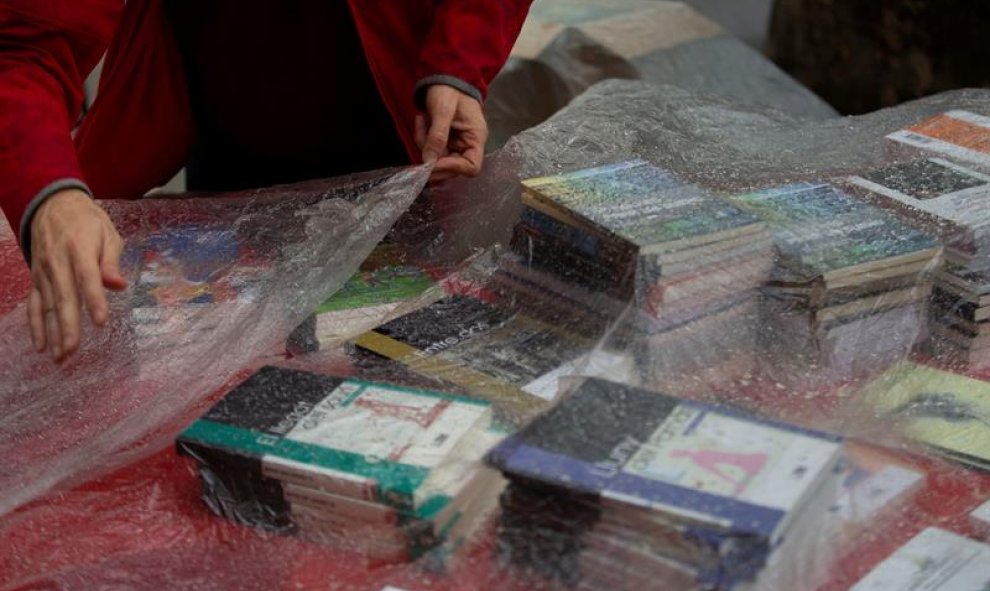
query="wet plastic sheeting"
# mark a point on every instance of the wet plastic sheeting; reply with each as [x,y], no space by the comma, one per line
[566,46]
[839,328]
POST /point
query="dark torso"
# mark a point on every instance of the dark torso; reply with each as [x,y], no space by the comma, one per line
[280,92]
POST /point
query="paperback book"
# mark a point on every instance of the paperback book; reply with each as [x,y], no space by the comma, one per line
[391,466]
[711,487]
[960,135]
[935,560]
[943,411]
[510,358]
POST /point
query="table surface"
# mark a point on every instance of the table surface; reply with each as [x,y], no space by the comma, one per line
[144,527]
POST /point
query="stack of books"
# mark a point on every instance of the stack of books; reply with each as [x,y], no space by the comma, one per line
[630,233]
[382,470]
[960,316]
[617,486]
[849,293]
[947,197]
[493,351]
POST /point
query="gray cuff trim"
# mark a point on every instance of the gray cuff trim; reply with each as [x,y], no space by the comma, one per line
[419,92]
[48,191]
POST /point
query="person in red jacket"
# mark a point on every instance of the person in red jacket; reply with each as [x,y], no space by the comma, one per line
[243,94]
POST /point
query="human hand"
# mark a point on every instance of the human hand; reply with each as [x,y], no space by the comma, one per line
[452,133]
[75,254]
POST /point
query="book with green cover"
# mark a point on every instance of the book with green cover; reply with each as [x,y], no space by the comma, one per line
[367,441]
[375,287]
[639,203]
[947,412]
[822,232]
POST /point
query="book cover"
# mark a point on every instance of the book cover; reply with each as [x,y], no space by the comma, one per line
[958,134]
[639,203]
[712,466]
[490,351]
[185,274]
[822,231]
[374,442]
[379,286]
[948,412]
[934,560]
[191,265]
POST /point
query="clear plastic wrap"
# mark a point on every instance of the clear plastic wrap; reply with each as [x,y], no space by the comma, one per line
[779,326]
[566,46]
[214,284]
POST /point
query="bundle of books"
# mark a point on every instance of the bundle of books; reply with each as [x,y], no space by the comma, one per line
[386,471]
[960,316]
[851,285]
[493,351]
[632,233]
[934,560]
[617,486]
[947,198]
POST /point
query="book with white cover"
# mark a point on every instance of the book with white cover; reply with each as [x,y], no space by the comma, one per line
[934,560]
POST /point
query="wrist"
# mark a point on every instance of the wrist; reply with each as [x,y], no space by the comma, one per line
[424,85]
[27,218]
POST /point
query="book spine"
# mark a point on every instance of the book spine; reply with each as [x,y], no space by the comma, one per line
[594,246]
[557,257]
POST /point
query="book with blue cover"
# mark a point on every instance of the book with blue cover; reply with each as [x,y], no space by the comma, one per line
[637,203]
[724,485]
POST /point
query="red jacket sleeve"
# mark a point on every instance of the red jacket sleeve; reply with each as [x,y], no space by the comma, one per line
[469,40]
[47,48]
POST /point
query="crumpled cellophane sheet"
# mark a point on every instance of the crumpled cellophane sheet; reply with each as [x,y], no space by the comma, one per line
[145,527]
[256,263]
[566,46]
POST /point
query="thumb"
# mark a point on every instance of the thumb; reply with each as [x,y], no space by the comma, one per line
[436,137]
[110,264]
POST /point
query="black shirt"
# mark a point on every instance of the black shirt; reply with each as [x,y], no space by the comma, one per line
[280,92]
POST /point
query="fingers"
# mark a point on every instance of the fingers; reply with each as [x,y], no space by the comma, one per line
[36,319]
[452,166]
[53,335]
[441,116]
[89,279]
[61,275]
[419,132]
[110,273]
